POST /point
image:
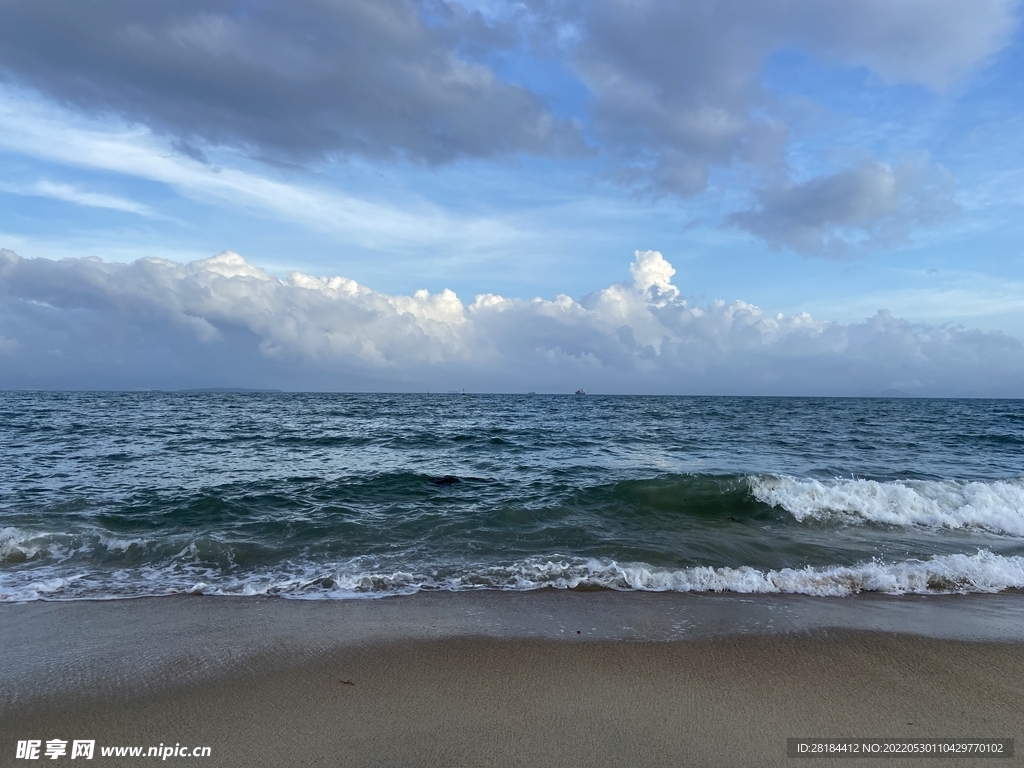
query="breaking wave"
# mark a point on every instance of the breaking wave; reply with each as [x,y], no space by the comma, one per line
[996,507]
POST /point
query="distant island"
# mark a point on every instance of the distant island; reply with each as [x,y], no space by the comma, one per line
[242,390]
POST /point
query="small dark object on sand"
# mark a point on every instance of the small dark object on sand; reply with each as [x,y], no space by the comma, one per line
[346,682]
[446,480]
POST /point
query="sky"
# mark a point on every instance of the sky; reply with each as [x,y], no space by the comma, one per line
[789,197]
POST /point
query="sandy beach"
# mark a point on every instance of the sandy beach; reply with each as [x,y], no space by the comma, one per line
[503,680]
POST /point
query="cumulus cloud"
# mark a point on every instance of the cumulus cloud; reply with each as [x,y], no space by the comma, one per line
[306,78]
[676,86]
[223,321]
[870,205]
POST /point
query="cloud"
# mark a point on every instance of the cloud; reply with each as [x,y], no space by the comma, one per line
[48,133]
[871,205]
[676,90]
[933,42]
[71,194]
[223,321]
[304,79]
[677,87]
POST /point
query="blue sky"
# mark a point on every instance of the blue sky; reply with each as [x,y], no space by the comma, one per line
[826,158]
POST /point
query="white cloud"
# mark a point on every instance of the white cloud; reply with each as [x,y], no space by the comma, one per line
[71,194]
[55,135]
[166,323]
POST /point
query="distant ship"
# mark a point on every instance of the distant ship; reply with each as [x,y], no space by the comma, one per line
[580,391]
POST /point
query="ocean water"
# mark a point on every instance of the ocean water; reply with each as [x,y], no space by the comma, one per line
[334,496]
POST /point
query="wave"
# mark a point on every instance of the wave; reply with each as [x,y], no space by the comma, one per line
[991,506]
[983,572]
[18,546]
[996,506]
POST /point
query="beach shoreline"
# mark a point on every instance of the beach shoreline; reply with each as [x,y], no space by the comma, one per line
[542,678]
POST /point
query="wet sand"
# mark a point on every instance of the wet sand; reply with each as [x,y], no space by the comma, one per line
[503,680]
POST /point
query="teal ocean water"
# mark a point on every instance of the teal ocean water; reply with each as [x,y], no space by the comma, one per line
[331,496]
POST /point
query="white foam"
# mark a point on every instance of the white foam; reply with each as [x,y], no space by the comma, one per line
[983,571]
[122,545]
[997,506]
[55,587]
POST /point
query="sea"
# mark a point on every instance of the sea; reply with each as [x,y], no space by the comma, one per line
[344,496]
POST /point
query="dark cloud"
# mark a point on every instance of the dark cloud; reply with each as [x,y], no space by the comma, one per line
[673,87]
[870,205]
[303,78]
[677,86]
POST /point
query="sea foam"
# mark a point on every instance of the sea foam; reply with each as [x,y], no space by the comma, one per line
[981,572]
